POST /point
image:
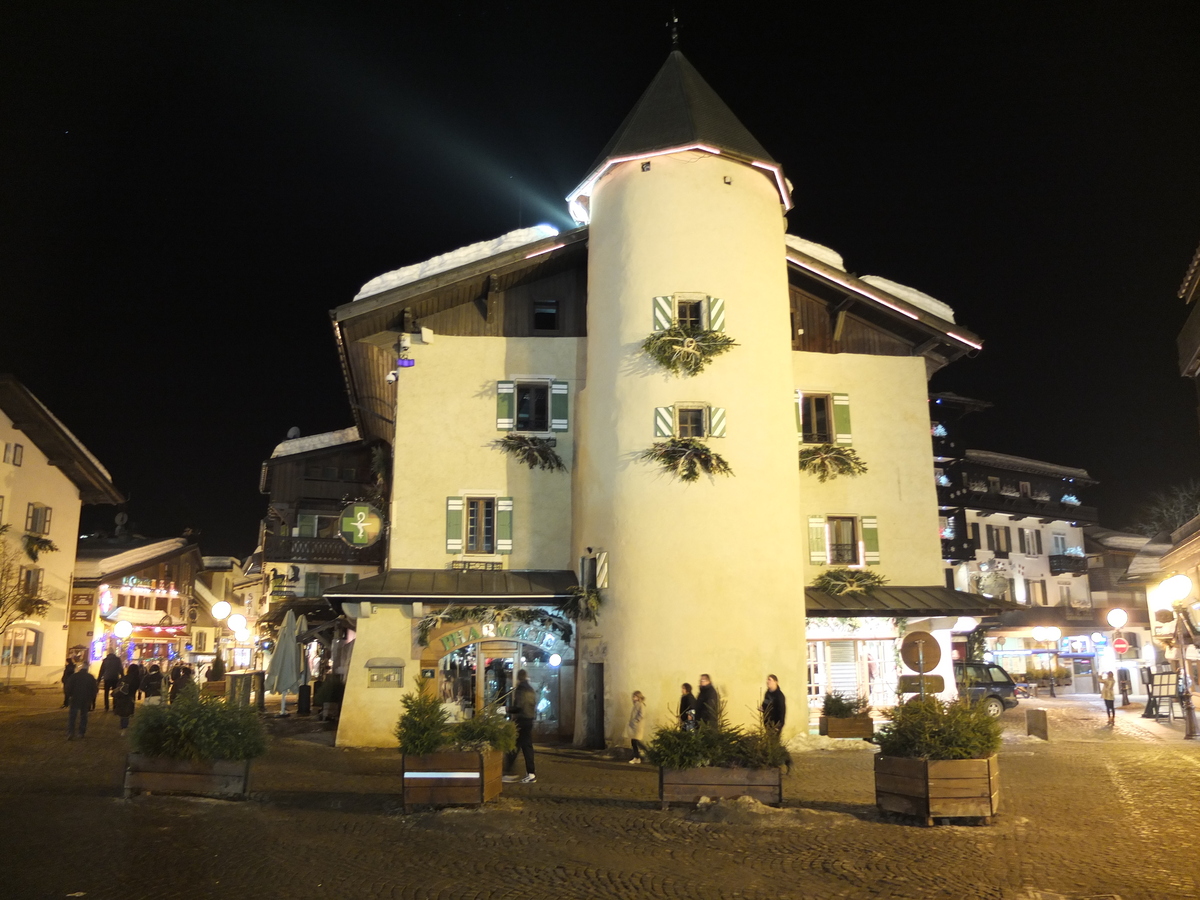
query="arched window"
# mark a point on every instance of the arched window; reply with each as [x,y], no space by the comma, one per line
[20,646]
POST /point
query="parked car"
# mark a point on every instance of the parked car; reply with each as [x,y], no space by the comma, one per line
[988,684]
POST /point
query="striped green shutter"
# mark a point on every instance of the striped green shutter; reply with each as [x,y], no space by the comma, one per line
[817,554]
[799,414]
[664,313]
[664,421]
[454,524]
[716,314]
[870,536]
[504,525]
[506,405]
[841,419]
[559,400]
[716,421]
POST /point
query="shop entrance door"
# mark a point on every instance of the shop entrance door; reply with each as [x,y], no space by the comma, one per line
[482,675]
[1083,676]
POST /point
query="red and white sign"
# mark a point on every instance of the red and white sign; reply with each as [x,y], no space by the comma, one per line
[1120,645]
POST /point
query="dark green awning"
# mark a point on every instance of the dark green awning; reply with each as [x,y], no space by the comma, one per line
[904,601]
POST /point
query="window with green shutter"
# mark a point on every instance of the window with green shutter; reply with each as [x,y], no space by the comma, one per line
[816,540]
[688,310]
[454,524]
[689,420]
[870,539]
[841,419]
[664,421]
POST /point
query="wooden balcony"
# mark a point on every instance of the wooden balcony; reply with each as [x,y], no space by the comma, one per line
[1068,565]
[1017,506]
[321,550]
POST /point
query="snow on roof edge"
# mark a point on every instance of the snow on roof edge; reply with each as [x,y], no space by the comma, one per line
[98,567]
[1037,466]
[292,446]
[455,258]
[911,295]
[819,252]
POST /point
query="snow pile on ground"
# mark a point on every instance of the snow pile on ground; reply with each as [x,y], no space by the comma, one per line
[911,295]
[805,743]
[748,811]
[455,258]
[819,252]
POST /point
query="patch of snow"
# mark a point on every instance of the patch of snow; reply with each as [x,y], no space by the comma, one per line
[1021,464]
[99,567]
[819,252]
[911,295]
[316,442]
[805,743]
[456,258]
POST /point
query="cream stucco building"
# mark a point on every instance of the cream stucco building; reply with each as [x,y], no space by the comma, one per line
[536,339]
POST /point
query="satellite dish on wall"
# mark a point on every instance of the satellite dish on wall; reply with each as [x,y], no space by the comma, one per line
[293,433]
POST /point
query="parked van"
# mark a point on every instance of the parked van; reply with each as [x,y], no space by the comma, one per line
[988,684]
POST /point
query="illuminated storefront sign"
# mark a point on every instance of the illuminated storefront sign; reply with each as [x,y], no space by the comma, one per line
[360,525]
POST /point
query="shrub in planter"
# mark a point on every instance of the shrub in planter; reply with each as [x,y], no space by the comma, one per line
[938,759]
[843,716]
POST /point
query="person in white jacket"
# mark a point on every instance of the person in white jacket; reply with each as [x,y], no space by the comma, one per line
[636,729]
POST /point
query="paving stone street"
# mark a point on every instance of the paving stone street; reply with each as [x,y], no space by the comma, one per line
[1094,813]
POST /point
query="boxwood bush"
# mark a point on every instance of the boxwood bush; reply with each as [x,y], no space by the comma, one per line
[198,728]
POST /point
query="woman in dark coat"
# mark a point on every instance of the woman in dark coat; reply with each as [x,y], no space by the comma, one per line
[687,708]
[122,701]
[152,684]
[774,705]
[68,671]
[138,673]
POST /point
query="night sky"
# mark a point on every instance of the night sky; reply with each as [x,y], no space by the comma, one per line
[186,190]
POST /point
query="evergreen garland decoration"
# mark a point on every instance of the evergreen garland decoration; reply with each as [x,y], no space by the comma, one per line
[847,581]
[686,458]
[491,615]
[584,603]
[535,452]
[35,544]
[686,351]
[829,461]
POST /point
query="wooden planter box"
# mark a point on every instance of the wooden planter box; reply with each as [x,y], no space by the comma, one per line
[847,726]
[689,785]
[930,788]
[161,775]
[451,778]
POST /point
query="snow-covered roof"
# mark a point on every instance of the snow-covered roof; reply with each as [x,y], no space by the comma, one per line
[220,562]
[316,442]
[456,258]
[1115,540]
[817,251]
[1147,565]
[1021,464]
[89,566]
[911,295]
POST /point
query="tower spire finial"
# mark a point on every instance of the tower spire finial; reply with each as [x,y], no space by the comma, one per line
[674,30]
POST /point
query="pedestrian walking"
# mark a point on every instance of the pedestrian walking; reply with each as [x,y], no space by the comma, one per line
[137,673]
[82,688]
[1106,694]
[523,709]
[122,703]
[68,671]
[774,705]
[111,671]
[708,703]
[636,729]
[152,686]
[687,708]
[180,675]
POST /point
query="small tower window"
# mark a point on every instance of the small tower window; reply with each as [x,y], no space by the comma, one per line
[689,313]
[690,422]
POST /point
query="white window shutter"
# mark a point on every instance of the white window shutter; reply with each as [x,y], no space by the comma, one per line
[716,421]
[664,313]
[817,554]
[664,421]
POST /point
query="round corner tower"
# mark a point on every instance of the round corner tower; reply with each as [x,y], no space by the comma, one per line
[686,231]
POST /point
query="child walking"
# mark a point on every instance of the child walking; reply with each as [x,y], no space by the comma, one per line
[636,729]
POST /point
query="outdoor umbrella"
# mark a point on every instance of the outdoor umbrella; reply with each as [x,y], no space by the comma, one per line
[285,672]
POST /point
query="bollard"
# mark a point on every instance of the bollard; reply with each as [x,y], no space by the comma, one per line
[1036,724]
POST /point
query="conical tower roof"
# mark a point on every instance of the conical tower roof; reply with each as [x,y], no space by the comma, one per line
[677,109]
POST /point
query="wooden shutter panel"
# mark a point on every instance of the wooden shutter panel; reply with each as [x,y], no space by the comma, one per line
[454,524]
[716,421]
[870,537]
[664,421]
[506,405]
[504,525]
[664,313]
[46,520]
[799,414]
[817,554]
[1021,538]
[559,399]
[1038,535]
[29,517]
[716,314]
[841,419]
[991,537]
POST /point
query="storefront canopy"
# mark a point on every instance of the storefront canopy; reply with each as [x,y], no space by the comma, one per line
[904,601]
[457,586]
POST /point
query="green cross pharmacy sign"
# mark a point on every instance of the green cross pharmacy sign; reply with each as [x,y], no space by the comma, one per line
[360,525]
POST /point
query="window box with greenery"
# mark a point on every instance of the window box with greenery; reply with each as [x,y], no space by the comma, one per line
[938,759]
[718,761]
[689,332]
[828,461]
[846,717]
[447,764]
[197,745]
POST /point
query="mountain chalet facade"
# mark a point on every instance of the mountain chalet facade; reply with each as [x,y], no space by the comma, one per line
[539,335]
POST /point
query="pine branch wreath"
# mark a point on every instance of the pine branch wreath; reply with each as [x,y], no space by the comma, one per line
[829,461]
[535,452]
[686,458]
[491,615]
[686,351]
[847,581]
[584,603]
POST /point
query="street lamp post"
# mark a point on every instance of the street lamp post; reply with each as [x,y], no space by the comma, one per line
[1116,620]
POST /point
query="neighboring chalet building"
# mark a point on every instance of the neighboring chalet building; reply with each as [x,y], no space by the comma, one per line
[534,340]
[46,475]
[224,578]
[309,481]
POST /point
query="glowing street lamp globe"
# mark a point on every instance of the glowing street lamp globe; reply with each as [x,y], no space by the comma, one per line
[1176,588]
[242,635]
[1117,618]
[221,609]
[123,629]
[1053,633]
[237,622]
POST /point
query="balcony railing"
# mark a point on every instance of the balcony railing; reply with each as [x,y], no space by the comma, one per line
[958,495]
[1068,565]
[320,550]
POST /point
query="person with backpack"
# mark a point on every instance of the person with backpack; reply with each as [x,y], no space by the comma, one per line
[687,708]
[523,709]
[152,686]
[122,701]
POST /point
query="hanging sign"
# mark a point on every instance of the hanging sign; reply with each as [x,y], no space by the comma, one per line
[360,525]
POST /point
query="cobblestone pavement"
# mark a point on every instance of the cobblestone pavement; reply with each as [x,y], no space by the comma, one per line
[1095,813]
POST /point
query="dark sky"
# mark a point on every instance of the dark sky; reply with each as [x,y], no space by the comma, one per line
[186,190]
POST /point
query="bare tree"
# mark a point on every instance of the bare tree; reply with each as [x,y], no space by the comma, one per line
[17,602]
[1169,509]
